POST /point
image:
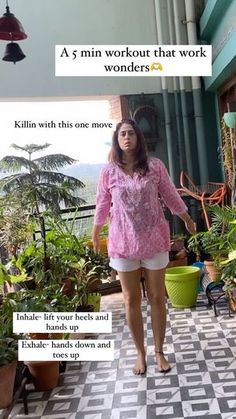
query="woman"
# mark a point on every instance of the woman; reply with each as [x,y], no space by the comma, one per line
[138,232]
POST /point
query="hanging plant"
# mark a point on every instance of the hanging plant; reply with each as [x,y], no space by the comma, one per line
[229,153]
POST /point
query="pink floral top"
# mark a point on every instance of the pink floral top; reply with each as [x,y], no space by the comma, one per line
[137,225]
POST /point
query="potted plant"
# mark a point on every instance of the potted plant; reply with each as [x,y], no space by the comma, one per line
[45,374]
[218,241]
[8,362]
[8,356]
[178,252]
[229,277]
[85,278]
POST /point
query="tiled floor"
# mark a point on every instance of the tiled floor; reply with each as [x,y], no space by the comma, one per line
[202,382]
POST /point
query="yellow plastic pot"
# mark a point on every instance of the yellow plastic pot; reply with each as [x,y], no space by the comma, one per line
[182,285]
[103,245]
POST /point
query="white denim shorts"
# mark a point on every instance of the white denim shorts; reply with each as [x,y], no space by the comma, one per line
[159,261]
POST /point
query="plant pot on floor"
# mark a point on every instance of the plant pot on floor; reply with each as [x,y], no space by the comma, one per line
[182,285]
[68,287]
[94,299]
[85,308]
[212,270]
[45,374]
[7,379]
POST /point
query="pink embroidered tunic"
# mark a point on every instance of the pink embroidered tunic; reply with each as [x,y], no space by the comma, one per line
[137,225]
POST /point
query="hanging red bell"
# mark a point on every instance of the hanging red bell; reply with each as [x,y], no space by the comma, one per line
[10,27]
[13,53]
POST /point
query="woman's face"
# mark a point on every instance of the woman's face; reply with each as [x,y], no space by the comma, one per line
[127,138]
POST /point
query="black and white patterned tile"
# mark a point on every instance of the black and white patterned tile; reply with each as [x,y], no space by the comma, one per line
[200,347]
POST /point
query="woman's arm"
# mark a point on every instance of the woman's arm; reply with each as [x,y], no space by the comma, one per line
[95,237]
[103,205]
[189,223]
[172,198]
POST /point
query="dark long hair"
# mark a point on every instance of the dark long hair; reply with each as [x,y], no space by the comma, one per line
[140,152]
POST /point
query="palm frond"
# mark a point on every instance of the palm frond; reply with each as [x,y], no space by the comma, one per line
[31,148]
[53,161]
[13,182]
[58,178]
[56,197]
[15,163]
[42,186]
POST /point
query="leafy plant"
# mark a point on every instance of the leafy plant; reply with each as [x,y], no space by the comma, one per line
[85,277]
[38,182]
[220,239]
[8,350]
[63,249]
[16,224]
[97,261]
[229,271]
[4,275]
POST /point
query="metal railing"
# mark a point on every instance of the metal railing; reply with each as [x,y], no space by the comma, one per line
[81,217]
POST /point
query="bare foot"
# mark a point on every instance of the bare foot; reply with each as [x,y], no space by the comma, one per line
[162,363]
[140,364]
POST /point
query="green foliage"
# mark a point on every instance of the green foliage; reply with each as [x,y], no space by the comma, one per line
[16,223]
[220,242]
[98,261]
[220,239]
[85,277]
[63,249]
[38,180]
[8,351]
[104,231]
[4,276]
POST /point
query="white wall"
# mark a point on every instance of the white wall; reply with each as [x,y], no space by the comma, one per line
[52,22]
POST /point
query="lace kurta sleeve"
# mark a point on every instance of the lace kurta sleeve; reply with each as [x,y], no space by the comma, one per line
[168,191]
[103,200]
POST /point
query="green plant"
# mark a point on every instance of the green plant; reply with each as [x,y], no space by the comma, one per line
[104,230]
[220,239]
[16,224]
[48,299]
[4,275]
[40,185]
[8,350]
[40,182]
[228,151]
[85,277]
[97,261]
[229,273]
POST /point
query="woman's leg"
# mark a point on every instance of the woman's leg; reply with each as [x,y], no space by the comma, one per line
[155,285]
[130,283]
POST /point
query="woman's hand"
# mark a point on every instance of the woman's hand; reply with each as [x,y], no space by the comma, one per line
[189,223]
[95,238]
[190,226]
[96,243]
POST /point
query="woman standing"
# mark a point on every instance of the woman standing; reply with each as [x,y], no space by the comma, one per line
[130,188]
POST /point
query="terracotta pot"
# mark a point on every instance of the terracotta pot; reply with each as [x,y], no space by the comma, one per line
[178,262]
[7,379]
[68,287]
[28,284]
[94,285]
[212,270]
[39,336]
[177,245]
[85,308]
[45,374]
[232,303]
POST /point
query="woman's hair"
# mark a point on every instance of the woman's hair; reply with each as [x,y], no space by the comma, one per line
[140,152]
